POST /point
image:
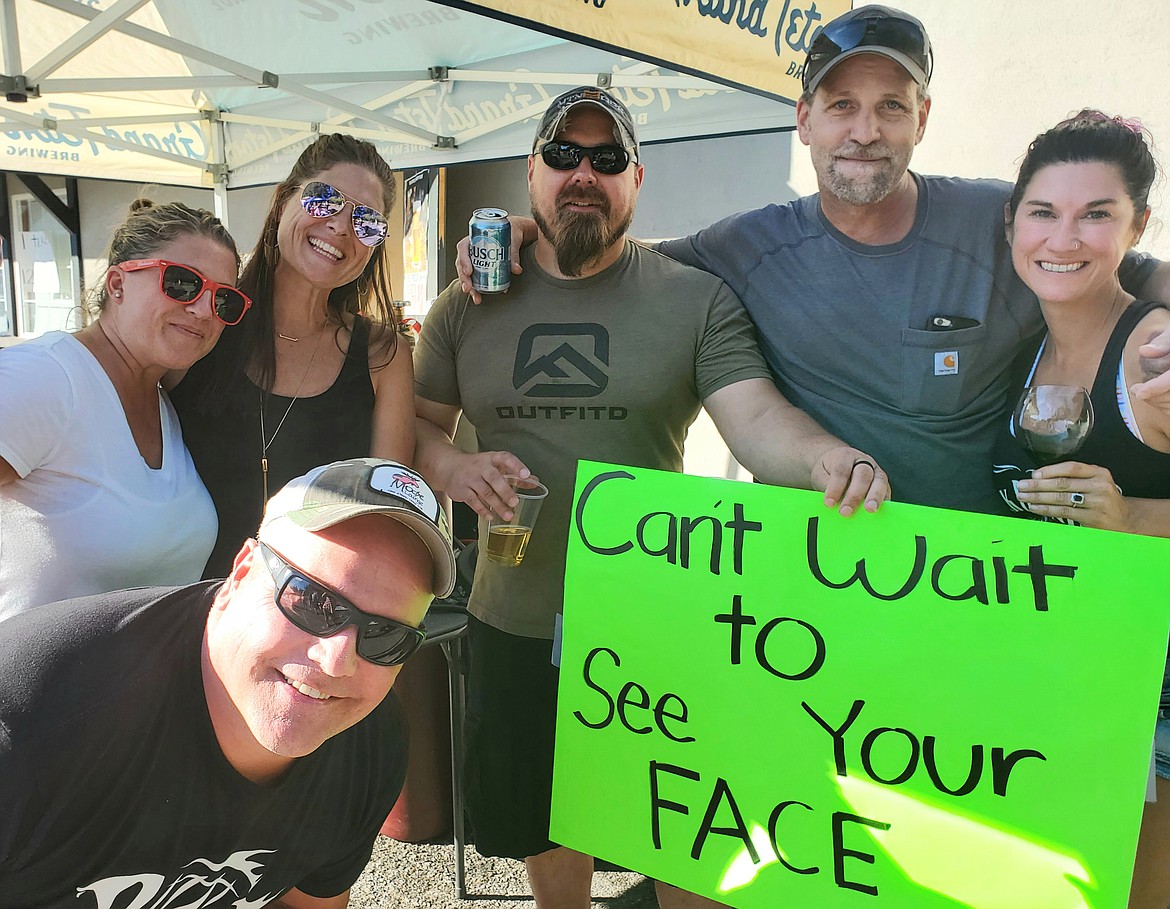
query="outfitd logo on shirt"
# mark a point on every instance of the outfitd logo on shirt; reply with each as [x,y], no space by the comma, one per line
[568,360]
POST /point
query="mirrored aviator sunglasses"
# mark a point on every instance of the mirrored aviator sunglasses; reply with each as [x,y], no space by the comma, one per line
[320,200]
[314,608]
[605,159]
[184,284]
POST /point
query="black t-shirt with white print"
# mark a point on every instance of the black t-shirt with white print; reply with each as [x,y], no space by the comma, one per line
[114,790]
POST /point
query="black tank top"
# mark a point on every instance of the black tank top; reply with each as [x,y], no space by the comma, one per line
[225,444]
[1139,470]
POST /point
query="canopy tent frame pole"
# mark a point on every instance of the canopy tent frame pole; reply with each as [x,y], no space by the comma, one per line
[15,85]
[81,39]
[219,168]
[261,78]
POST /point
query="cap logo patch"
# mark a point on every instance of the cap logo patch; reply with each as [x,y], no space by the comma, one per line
[406,485]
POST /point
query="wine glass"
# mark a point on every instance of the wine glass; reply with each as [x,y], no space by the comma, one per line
[1053,421]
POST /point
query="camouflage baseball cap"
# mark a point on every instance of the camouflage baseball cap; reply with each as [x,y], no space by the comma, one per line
[343,490]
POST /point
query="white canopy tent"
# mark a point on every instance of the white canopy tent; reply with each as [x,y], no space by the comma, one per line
[224,93]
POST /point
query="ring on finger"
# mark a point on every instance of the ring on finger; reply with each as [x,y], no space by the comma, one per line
[1076,499]
[868,463]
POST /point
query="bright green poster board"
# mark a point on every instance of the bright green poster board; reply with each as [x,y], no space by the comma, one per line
[991,697]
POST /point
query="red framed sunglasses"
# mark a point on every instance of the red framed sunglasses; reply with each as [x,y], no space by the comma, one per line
[184,284]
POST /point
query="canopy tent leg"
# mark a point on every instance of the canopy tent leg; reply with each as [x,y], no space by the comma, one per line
[219,168]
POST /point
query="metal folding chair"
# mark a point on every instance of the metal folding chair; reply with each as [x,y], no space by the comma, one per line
[447,627]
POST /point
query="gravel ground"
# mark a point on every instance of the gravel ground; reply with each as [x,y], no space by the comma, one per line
[408,876]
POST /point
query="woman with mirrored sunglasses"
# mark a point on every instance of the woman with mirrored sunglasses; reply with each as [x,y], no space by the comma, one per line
[97,491]
[314,373]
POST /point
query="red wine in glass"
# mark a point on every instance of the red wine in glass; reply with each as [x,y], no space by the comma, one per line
[1053,421]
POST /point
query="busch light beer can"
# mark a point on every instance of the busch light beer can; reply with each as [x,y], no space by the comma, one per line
[491,250]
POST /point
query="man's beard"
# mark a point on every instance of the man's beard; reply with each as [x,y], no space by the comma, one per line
[865,190]
[580,237]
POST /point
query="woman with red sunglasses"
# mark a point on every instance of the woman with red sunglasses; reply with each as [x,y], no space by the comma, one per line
[97,491]
[315,372]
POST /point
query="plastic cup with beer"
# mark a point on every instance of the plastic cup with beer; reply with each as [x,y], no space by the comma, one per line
[508,540]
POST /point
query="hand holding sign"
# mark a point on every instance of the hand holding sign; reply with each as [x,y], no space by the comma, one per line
[771,706]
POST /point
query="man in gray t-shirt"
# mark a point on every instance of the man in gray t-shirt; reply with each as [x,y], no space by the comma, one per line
[607,351]
[886,305]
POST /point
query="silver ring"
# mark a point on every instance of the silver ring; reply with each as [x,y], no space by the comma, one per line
[1076,499]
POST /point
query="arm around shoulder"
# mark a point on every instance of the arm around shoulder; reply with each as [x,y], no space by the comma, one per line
[1151,397]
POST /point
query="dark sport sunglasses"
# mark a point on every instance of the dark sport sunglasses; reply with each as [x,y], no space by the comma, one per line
[899,35]
[323,201]
[605,159]
[314,608]
[184,284]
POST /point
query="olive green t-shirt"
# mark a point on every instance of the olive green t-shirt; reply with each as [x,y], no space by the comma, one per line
[612,367]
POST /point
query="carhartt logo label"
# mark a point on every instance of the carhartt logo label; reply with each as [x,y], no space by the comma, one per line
[946,363]
[562,361]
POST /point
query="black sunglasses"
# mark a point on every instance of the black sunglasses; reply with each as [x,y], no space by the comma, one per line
[605,159]
[899,35]
[314,608]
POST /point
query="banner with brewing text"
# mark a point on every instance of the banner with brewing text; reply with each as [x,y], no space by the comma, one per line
[771,705]
[757,45]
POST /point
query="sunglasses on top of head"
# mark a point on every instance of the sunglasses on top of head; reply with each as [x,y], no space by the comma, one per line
[184,284]
[605,159]
[901,35]
[324,201]
[314,608]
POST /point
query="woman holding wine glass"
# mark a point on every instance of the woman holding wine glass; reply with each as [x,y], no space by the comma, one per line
[1079,447]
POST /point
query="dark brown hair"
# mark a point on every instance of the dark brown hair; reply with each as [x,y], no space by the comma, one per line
[1092,136]
[253,344]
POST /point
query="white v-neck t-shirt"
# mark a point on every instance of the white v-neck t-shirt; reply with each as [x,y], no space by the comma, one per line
[88,514]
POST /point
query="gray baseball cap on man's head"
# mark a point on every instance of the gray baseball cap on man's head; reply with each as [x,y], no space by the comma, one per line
[872,29]
[343,490]
[553,120]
